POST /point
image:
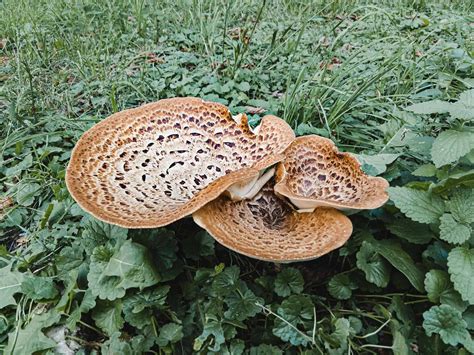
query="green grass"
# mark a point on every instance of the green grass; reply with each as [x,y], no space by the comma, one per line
[342,69]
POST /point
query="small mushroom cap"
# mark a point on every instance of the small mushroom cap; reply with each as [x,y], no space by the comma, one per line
[266,228]
[314,174]
[152,165]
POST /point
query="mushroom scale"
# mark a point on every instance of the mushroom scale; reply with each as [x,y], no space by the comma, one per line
[266,228]
[314,174]
[152,165]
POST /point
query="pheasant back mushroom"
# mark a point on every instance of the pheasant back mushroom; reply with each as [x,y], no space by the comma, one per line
[267,228]
[314,173]
[152,165]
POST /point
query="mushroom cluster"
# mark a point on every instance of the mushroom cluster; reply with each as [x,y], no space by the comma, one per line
[150,166]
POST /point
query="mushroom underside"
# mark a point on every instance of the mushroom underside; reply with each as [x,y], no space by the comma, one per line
[266,228]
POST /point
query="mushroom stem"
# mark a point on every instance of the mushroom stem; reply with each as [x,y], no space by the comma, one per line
[248,189]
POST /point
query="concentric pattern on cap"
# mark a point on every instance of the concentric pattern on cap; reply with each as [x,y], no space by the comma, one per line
[266,228]
[150,166]
[314,173]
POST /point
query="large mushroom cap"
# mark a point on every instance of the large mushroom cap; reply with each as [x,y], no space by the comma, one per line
[266,228]
[314,173]
[152,165]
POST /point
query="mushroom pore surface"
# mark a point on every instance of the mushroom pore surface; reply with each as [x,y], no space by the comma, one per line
[149,166]
[266,228]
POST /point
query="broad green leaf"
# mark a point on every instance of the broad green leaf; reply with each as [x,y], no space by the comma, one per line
[430,107]
[169,334]
[461,205]
[376,164]
[447,322]
[426,170]
[242,304]
[132,264]
[461,269]
[10,283]
[213,329]
[108,316]
[26,193]
[116,345]
[399,346]
[30,338]
[265,349]
[226,281]
[297,311]
[440,290]
[400,260]
[375,268]
[420,206]
[414,232]
[463,179]
[289,281]
[340,286]
[452,231]
[464,107]
[38,288]
[111,274]
[450,146]
[337,340]
[98,233]
[468,317]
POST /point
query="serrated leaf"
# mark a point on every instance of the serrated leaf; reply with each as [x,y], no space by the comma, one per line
[450,146]
[401,261]
[430,107]
[108,316]
[420,206]
[289,281]
[461,205]
[31,339]
[340,286]
[375,268]
[452,231]
[226,281]
[426,170]
[461,269]
[131,263]
[414,232]
[242,304]
[447,322]
[214,329]
[297,311]
[440,290]
[38,288]
[10,283]
[111,273]
[169,334]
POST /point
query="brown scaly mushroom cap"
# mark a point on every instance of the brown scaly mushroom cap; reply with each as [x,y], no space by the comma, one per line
[314,173]
[152,165]
[267,228]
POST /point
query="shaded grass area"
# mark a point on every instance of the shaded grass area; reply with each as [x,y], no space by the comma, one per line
[342,69]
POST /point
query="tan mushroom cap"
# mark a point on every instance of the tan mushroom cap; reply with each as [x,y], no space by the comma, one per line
[152,165]
[267,228]
[314,173]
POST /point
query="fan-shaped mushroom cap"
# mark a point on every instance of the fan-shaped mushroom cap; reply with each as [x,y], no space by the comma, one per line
[314,173]
[267,228]
[152,165]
